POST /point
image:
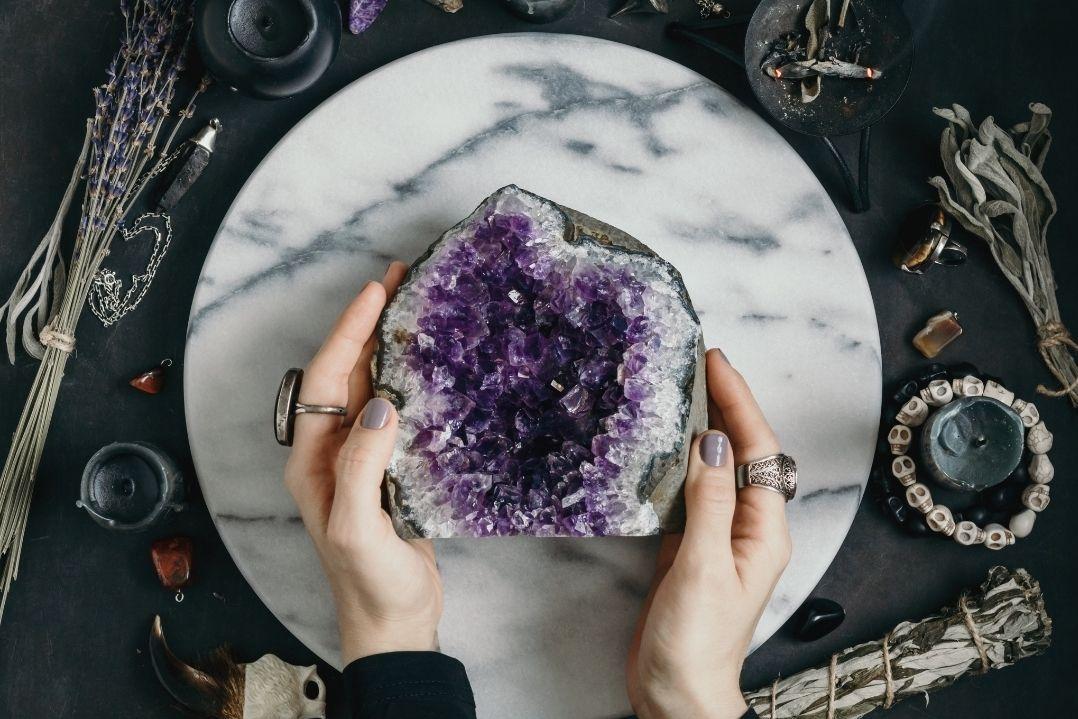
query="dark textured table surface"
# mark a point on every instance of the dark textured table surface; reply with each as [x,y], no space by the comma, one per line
[72,640]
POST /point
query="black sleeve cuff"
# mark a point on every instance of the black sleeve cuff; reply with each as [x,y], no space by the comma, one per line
[409,685]
[750,713]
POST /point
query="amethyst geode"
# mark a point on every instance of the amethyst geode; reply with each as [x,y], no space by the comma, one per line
[548,371]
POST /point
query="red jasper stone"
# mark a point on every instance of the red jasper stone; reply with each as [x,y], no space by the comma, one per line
[150,382]
[172,561]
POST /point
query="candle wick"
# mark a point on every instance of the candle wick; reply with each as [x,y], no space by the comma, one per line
[980,441]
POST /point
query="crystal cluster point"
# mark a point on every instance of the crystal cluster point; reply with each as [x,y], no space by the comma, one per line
[547,369]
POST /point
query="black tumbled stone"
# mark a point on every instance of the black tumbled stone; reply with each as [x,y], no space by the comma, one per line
[963,369]
[1020,475]
[1004,497]
[816,618]
[933,372]
[915,524]
[978,515]
[904,392]
[896,509]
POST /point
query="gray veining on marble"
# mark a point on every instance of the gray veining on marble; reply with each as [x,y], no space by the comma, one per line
[380,170]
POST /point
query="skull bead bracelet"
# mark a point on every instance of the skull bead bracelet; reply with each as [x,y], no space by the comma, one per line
[954,410]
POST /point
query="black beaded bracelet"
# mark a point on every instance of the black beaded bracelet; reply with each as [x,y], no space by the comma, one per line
[999,514]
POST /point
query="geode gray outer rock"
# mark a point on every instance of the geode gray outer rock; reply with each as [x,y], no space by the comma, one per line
[548,371]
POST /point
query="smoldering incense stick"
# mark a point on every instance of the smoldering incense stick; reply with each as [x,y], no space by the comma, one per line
[991,627]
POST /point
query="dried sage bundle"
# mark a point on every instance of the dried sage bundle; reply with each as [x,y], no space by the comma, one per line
[995,189]
[994,626]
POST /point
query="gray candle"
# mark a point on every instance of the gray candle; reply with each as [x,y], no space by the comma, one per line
[972,443]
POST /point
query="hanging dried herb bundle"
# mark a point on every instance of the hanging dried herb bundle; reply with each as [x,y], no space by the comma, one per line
[125,145]
[1004,620]
[998,193]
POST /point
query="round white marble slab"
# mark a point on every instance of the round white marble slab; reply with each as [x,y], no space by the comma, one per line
[380,170]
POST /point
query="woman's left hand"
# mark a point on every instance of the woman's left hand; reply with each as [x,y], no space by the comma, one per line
[387,590]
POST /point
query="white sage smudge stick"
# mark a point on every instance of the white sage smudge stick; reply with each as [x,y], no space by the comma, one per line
[997,192]
[994,626]
[120,153]
[37,291]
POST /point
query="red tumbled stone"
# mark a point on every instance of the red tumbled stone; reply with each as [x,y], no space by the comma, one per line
[172,561]
[150,381]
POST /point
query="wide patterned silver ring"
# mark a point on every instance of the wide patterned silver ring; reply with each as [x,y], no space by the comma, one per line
[777,472]
[288,406]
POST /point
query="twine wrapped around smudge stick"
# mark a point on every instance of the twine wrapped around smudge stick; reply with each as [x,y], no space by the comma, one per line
[994,626]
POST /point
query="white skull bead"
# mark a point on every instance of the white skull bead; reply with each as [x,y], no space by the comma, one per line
[1036,497]
[1027,411]
[995,390]
[899,438]
[997,536]
[967,534]
[904,469]
[1039,439]
[1041,470]
[918,497]
[1021,524]
[941,520]
[968,386]
[913,413]
[937,393]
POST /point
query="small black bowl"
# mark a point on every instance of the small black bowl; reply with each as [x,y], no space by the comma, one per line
[268,49]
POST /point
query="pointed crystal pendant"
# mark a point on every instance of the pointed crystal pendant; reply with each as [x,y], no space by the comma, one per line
[151,381]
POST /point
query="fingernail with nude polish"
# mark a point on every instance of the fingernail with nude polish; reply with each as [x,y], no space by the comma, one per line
[375,414]
[714,448]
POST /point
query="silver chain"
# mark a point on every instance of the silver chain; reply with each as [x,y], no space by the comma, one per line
[107,298]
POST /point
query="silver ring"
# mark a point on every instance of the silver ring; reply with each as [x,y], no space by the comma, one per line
[925,240]
[287,407]
[777,472]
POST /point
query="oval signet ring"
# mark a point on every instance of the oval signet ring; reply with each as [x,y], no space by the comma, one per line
[288,406]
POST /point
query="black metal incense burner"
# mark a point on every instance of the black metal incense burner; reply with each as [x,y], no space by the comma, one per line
[130,486]
[844,107]
[267,48]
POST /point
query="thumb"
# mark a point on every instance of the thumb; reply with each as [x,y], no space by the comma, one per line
[710,499]
[361,464]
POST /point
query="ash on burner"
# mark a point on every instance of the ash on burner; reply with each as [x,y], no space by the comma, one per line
[821,50]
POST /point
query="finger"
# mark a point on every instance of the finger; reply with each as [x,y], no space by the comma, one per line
[361,463]
[359,382]
[709,503]
[760,539]
[739,414]
[326,380]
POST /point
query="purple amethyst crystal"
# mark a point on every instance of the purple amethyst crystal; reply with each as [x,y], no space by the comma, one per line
[363,13]
[548,373]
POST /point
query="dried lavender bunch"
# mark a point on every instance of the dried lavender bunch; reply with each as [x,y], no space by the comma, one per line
[994,626]
[995,188]
[119,154]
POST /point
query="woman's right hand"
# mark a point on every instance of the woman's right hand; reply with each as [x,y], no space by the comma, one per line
[711,583]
